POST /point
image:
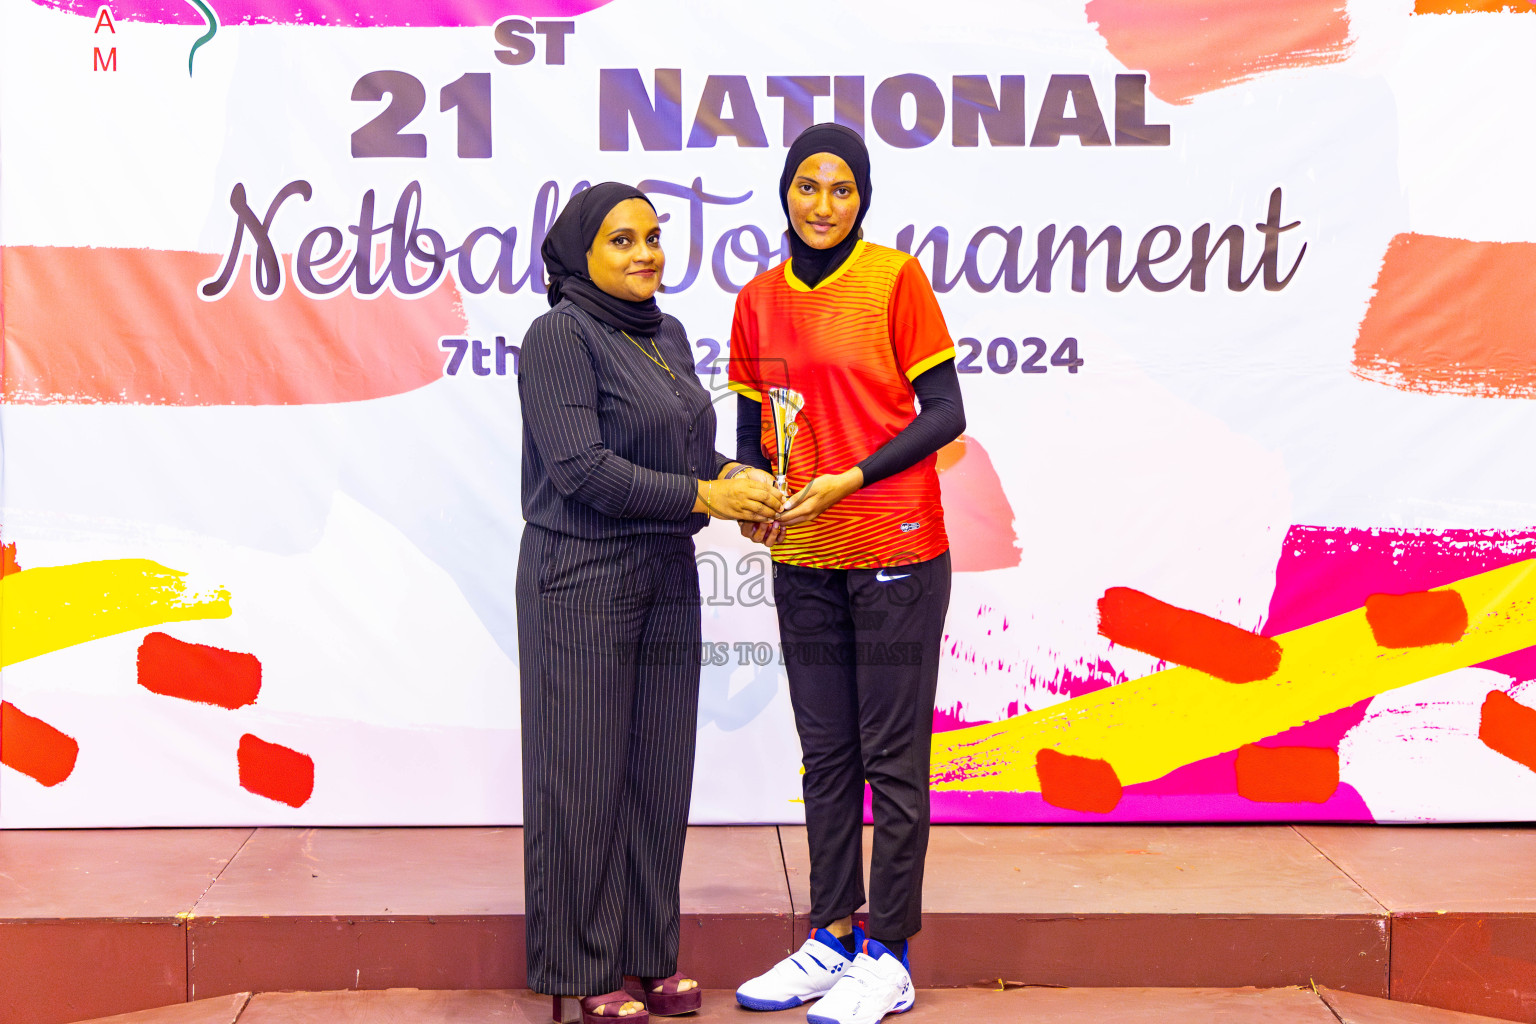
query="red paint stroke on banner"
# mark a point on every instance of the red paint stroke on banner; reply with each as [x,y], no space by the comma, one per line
[1474,7]
[1509,727]
[1416,620]
[197,672]
[275,771]
[8,563]
[1189,47]
[1452,317]
[1077,783]
[33,747]
[1275,775]
[126,327]
[1132,619]
[977,515]
[373,14]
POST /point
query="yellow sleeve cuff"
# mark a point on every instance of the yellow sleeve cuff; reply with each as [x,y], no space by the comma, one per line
[756,396]
[927,364]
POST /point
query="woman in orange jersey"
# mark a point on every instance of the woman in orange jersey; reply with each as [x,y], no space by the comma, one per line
[861,573]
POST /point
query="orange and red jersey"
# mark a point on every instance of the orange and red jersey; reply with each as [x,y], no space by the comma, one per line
[852,346]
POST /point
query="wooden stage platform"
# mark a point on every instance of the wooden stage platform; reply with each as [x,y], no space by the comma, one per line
[94,923]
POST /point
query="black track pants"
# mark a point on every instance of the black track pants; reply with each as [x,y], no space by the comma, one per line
[861,648]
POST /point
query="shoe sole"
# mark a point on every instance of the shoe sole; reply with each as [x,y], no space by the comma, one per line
[817,1018]
[753,1003]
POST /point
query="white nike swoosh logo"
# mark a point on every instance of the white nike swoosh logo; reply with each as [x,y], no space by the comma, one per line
[883,578]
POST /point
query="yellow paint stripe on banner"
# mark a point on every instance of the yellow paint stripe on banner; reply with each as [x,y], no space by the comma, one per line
[1148,727]
[52,607]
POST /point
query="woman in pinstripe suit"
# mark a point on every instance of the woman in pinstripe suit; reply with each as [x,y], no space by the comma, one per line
[619,472]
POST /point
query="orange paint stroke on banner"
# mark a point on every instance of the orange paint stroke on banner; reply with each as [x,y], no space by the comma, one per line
[198,672]
[977,514]
[274,771]
[1473,7]
[1142,622]
[1286,775]
[1077,783]
[1189,47]
[1416,620]
[126,327]
[1509,727]
[35,748]
[1452,317]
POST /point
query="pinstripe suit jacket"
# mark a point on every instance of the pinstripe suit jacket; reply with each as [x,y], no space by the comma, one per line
[612,444]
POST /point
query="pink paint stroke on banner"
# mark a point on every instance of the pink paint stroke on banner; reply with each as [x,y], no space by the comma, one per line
[1141,804]
[1203,791]
[1326,571]
[1322,572]
[1190,47]
[351,14]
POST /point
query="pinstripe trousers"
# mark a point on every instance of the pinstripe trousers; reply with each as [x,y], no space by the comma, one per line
[608,642]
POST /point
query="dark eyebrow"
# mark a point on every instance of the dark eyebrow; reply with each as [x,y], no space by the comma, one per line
[814,181]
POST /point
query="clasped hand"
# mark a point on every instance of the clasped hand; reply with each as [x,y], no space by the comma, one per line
[805,505]
[749,496]
[819,495]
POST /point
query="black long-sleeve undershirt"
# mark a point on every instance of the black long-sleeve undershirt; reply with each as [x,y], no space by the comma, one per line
[940,419]
[749,433]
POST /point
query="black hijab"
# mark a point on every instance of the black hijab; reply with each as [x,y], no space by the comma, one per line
[565,259]
[809,264]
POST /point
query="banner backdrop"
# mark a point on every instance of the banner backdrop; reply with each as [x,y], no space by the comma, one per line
[1241,293]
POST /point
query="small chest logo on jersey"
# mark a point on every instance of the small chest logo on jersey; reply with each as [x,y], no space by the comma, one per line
[909,527]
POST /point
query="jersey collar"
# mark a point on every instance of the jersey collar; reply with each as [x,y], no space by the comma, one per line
[800,286]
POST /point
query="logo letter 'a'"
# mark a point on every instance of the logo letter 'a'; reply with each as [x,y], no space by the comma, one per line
[104,18]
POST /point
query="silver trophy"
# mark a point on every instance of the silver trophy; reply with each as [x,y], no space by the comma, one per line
[786,405]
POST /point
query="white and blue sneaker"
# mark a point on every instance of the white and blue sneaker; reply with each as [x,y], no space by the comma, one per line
[809,973]
[874,985]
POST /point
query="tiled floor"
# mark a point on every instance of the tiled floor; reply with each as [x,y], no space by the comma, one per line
[93,923]
[1136,905]
[436,908]
[1463,906]
[104,906]
[975,1006]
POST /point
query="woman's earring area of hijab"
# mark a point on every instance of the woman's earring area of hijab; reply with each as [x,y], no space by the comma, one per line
[626,260]
[823,200]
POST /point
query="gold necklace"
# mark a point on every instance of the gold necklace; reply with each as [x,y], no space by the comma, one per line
[657,358]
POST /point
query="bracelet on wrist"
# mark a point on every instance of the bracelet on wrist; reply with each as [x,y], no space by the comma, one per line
[718,514]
